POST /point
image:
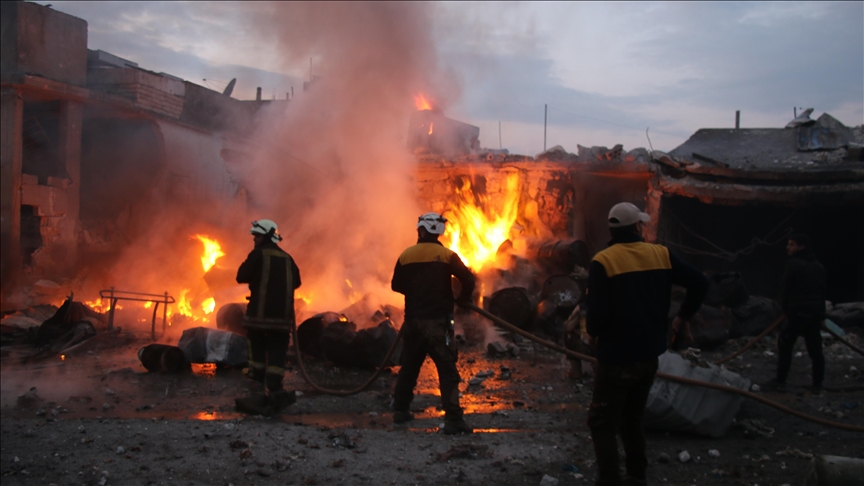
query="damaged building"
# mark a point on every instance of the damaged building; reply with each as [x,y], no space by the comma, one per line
[94,145]
[727,199]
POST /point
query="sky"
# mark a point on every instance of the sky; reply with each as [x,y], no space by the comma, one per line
[640,74]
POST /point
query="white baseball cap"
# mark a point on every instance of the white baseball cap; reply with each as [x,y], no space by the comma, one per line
[626,214]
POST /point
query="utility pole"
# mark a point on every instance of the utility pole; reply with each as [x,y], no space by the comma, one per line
[499,134]
[545,117]
[737,119]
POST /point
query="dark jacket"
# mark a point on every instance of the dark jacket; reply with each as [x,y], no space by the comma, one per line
[272,276]
[804,286]
[423,274]
[629,292]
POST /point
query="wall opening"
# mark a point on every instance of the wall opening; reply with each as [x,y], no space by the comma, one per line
[751,240]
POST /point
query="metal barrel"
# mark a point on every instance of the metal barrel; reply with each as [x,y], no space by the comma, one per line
[161,358]
[513,305]
[562,255]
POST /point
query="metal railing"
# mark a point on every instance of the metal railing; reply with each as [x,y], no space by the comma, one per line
[114,295]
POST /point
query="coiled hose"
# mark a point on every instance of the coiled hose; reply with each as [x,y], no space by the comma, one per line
[510,327]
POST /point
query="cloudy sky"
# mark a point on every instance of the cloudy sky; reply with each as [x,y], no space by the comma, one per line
[606,70]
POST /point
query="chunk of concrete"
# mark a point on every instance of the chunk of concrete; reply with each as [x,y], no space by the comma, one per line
[688,408]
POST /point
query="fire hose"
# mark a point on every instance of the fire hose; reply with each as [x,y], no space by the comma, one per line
[754,341]
[510,327]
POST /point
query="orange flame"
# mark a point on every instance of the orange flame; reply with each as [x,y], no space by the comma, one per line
[476,234]
[421,103]
[212,252]
[431,127]
[209,305]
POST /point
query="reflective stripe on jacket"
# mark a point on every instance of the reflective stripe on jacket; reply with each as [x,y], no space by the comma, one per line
[272,276]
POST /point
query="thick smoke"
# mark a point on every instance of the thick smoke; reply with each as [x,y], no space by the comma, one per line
[333,169]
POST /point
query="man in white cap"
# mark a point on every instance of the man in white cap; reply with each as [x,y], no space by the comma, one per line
[629,293]
[424,274]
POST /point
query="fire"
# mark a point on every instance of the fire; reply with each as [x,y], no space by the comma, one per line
[431,127]
[148,305]
[62,357]
[421,103]
[476,234]
[212,252]
[94,304]
[209,305]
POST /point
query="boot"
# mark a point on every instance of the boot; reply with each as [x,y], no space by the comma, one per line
[455,424]
[281,399]
[402,416]
[257,404]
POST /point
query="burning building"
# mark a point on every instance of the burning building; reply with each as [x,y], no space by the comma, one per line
[95,148]
[97,152]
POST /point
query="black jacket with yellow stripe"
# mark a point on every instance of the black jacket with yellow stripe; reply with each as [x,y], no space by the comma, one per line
[423,274]
[629,293]
[272,276]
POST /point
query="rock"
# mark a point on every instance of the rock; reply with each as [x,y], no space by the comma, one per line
[496,349]
[754,316]
[684,456]
[548,481]
[31,399]
[714,453]
[120,450]
[670,404]
[726,288]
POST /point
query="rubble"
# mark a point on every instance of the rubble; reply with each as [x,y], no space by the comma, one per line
[669,405]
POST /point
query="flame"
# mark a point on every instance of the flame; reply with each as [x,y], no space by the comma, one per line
[94,304]
[62,357]
[209,305]
[349,283]
[183,306]
[474,233]
[148,305]
[431,127]
[307,299]
[421,103]
[212,252]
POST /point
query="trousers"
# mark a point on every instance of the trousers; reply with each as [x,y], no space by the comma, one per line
[617,407]
[806,326]
[267,351]
[433,338]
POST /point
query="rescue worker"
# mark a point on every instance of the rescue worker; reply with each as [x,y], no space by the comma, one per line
[272,276]
[423,274]
[802,297]
[629,292]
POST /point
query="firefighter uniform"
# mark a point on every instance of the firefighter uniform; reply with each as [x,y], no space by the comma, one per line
[423,274]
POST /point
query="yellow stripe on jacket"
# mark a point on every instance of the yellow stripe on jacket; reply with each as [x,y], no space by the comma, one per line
[623,258]
[425,253]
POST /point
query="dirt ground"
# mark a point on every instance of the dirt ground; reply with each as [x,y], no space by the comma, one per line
[100,418]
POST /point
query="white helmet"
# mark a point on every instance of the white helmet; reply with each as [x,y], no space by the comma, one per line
[433,222]
[266,227]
